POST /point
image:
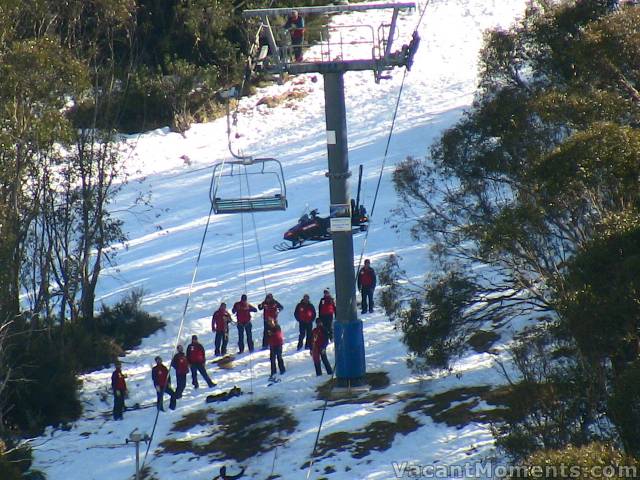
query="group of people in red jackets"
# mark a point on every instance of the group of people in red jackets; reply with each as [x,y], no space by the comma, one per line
[314,339]
[311,338]
[193,360]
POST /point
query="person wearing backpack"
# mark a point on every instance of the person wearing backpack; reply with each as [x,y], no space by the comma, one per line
[305,314]
[196,357]
[275,338]
[319,349]
[180,364]
[220,325]
[326,312]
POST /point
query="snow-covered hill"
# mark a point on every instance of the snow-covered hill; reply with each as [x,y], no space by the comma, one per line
[161,256]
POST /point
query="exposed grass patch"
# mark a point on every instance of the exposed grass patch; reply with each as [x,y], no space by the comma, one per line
[439,407]
[147,474]
[173,446]
[362,399]
[251,428]
[375,380]
[510,402]
[273,101]
[516,401]
[190,420]
[483,340]
[239,434]
[377,436]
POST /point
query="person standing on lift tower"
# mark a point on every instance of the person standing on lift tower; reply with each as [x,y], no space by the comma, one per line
[295,26]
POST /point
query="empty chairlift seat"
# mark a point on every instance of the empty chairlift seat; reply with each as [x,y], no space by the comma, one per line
[265,174]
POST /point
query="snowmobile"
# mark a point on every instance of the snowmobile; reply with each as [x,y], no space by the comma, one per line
[312,228]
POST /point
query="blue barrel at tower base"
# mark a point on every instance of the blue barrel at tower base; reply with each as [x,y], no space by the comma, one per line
[350,363]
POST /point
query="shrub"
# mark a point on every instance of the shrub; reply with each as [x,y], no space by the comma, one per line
[44,363]
[624,407]
[593,461]
[126,323]
[16,461]
[555,403]
[43,386]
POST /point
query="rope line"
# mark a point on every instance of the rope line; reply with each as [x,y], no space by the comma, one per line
[244,267]
[186,304]
[184,313]
[255,231]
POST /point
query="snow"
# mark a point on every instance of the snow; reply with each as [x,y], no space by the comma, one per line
[160,258]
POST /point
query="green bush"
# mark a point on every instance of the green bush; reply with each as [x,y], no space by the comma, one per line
[593,461]
[44,387]
[15,462]
[126,323]
[556,401]
[624,407]
[45,363]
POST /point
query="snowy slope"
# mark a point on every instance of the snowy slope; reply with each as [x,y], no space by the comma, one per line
[161,256]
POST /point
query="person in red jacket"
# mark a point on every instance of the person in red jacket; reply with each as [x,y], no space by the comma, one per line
[319,349]
[242,310]
[276,341]
[195,356]
[366,285]
[180,364]
[162,384]
[271,309]
[326,312]
[295,26]
[220,326]
[305,314]
[119,387]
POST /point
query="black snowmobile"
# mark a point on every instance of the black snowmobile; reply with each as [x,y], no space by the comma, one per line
[312,228]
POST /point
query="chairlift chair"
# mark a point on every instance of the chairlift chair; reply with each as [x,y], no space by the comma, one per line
[267,167]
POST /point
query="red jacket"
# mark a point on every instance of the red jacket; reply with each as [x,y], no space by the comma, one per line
[366,278]
[296,26]
[117,381]
[319,342]
[160,375]
[220,321]
[180,363]
[195,353]
[327,307]
[271,309]
[305,312]
[243,312]
[276,338]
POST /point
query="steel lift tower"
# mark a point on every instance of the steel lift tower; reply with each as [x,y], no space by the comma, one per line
[367,49]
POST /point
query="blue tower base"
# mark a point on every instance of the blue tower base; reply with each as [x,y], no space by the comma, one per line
[350,363]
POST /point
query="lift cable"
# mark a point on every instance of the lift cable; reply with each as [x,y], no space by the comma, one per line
[184,311]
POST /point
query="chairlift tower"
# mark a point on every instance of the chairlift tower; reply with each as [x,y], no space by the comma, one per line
[331,57]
